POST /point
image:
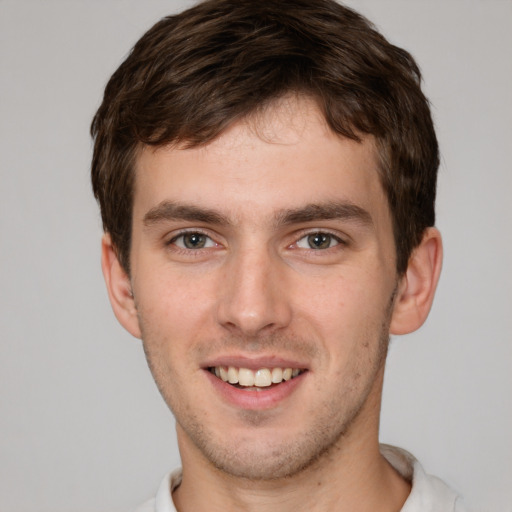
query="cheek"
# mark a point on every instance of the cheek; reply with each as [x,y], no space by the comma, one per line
[174,310]
[172,316]
[345,311]
[338,299]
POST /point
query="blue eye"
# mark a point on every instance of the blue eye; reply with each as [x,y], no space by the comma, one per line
[193,240]
[318,241]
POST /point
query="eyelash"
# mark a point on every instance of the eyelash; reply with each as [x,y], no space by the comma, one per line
[294,245]
[182,234]
[339,241]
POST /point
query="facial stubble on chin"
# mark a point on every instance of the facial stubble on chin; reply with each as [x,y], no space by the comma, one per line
[319,442]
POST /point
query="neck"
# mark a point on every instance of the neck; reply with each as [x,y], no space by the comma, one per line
[356,488]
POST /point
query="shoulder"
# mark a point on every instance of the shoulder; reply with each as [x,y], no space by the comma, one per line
[163,500]
[428,493]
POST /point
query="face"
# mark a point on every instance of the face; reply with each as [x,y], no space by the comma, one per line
[263,275]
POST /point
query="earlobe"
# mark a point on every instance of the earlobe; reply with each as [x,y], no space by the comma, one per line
[417,287]
[119,288]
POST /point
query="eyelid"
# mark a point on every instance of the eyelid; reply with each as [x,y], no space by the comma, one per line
[341,239]
[172,237]
[304,242]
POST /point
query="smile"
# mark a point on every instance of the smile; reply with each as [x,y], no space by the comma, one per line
[261,378]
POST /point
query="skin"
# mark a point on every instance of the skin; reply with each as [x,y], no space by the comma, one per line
[258,292]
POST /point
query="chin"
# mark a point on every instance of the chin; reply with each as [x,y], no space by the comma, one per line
[266,456]
[282,463]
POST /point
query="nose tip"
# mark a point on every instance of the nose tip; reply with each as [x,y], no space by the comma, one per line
[252,301]
[251,325]
[249,322]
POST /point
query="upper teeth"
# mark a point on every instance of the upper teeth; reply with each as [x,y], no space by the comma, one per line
[263,377]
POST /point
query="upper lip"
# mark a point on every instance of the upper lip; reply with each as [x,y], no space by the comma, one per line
[254,362]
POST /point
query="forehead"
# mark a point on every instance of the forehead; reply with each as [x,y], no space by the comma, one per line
[283,156]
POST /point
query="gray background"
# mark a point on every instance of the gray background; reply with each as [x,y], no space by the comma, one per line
[82,427]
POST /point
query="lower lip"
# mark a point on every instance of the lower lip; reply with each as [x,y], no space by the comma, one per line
[267,398]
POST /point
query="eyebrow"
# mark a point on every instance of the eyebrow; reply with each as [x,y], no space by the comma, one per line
[334,210]
[167,211]
[341,210]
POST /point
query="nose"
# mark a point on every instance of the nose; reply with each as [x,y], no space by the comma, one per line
[253,299]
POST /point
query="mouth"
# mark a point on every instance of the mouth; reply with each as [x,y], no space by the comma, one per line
[254,380]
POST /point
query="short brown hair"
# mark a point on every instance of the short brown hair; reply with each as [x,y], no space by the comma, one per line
[193,74]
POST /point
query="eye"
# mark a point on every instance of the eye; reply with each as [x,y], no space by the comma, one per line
[193,240]
[318,241]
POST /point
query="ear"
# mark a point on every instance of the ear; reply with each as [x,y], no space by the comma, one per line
[418,285]
[119,288]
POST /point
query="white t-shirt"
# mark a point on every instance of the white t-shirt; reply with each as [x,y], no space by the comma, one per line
[428,493]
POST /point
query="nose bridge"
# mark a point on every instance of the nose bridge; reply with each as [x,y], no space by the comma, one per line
[253,299]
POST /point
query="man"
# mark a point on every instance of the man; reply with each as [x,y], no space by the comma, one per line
[266,173]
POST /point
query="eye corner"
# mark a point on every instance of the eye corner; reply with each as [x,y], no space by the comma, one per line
[189,241]
[318,240]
